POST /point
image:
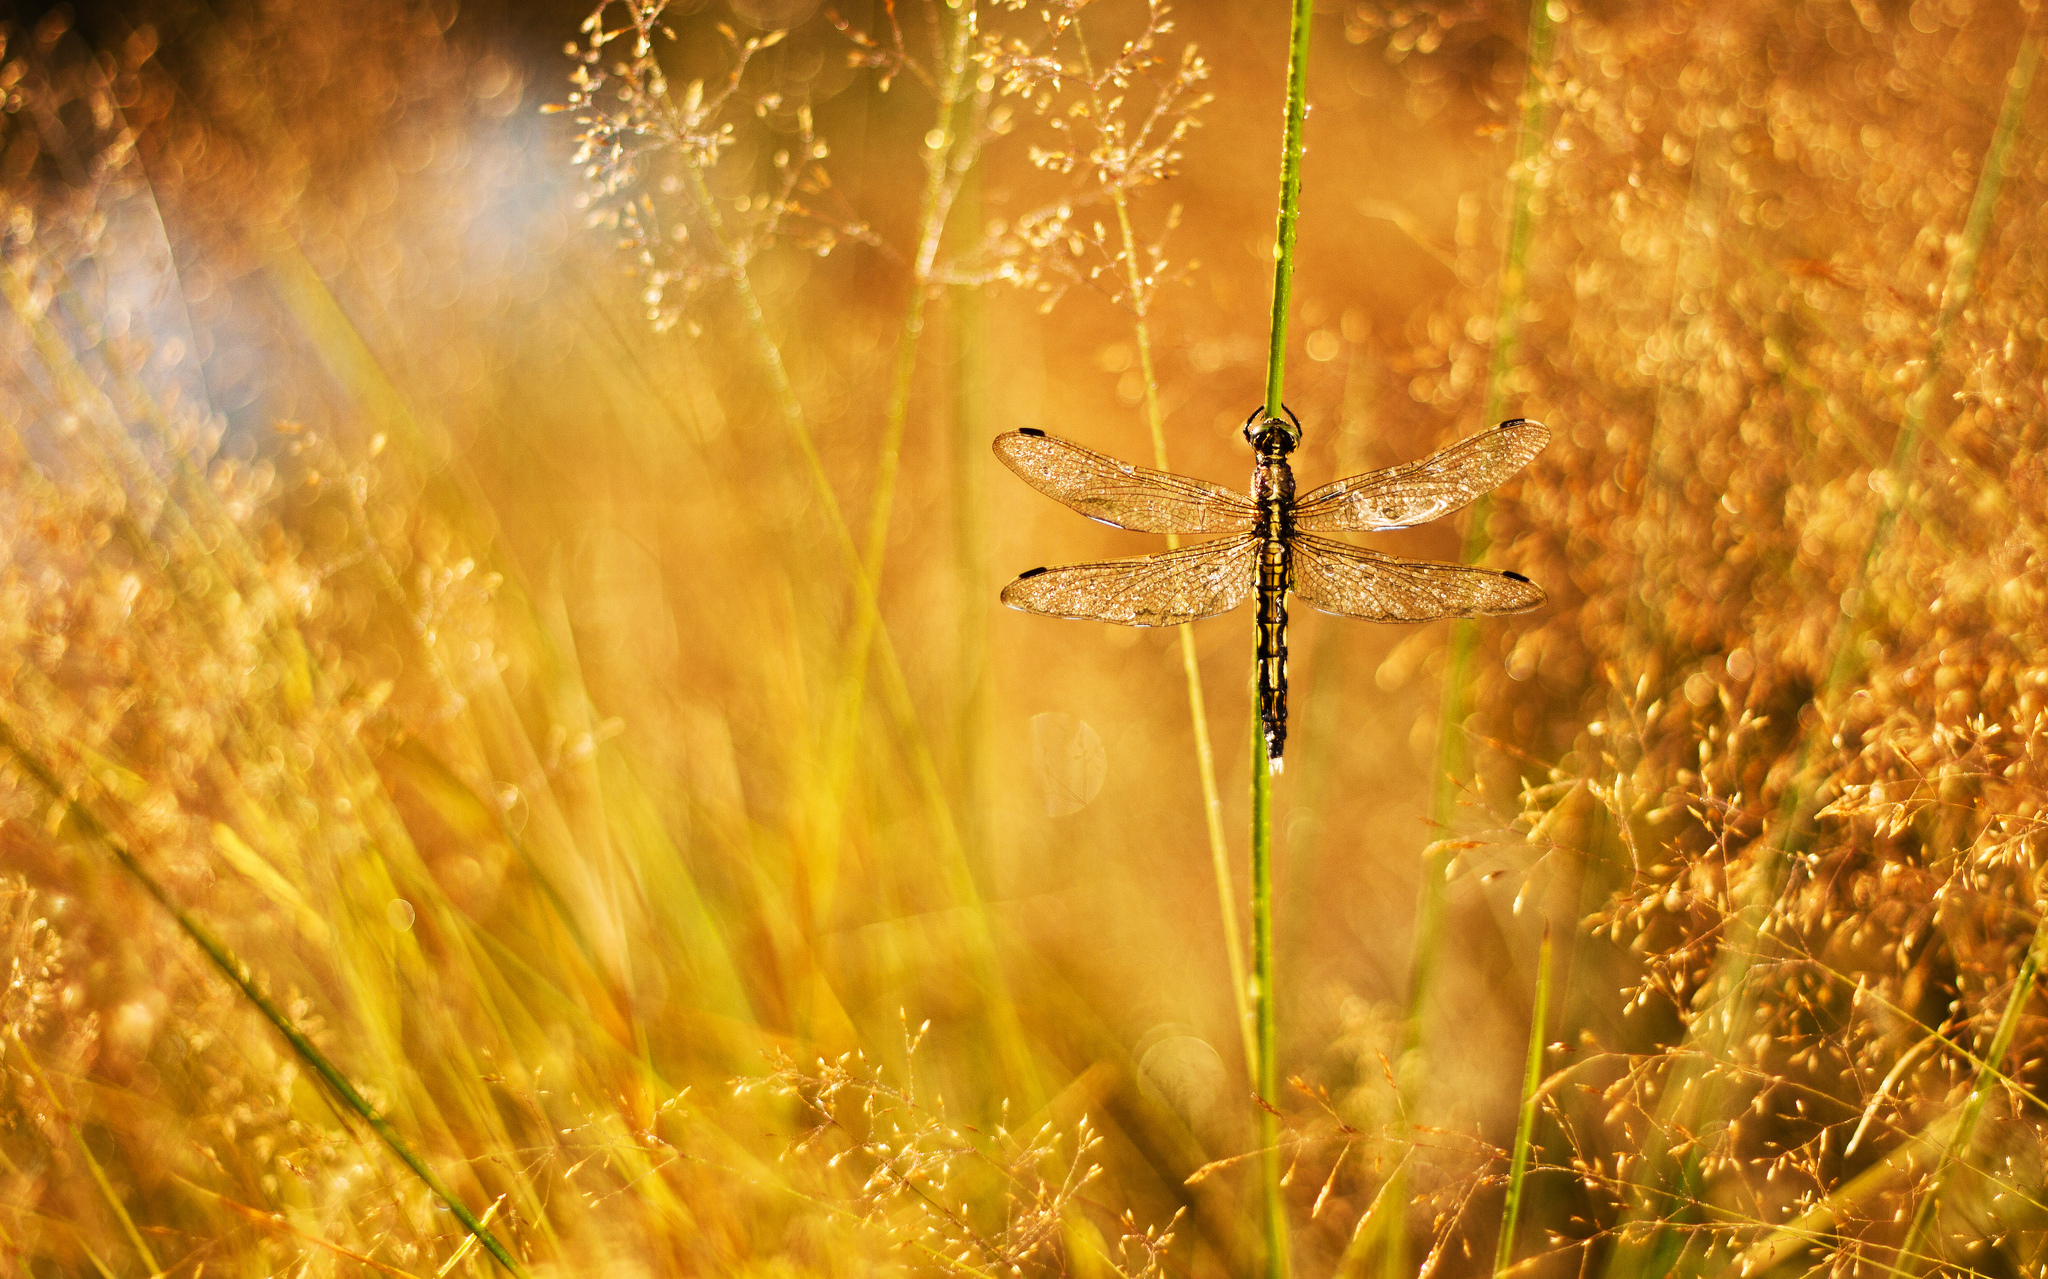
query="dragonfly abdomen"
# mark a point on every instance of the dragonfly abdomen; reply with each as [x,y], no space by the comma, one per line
[1273,490]
[1274,567]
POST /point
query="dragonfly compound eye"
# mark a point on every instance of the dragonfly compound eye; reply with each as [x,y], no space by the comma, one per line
[1269,434]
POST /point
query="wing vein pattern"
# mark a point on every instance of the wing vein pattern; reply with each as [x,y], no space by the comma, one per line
[1354,582]
[1167,589]
[1120,494]
[1417,492]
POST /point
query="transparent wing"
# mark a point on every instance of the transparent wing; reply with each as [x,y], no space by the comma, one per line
[1418,492]
[1119,494]
[1355,582]
[1147,590]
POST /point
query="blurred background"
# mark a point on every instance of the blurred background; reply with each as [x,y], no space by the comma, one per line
[446,475]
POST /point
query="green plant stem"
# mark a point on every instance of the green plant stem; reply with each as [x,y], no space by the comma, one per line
[237,972]
[1290,203]
[1267,1072]
[1962,279]
[863,561]
[933,206]
[1525,1123]
[92,1163]
[1452,756]
[1264,987]
[1198,713]
[868,635]
[895,688]
[1726,1022]
[1989,1076]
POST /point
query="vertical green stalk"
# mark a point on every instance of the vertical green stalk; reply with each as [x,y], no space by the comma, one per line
[1263,985]
[1451,751]
[971,433]
[1961,283]
[1725,1024]
[1267,1071]
[787,405]
[1989,1075]
[931,224]
[870,637]
[1290,203]
[238,973]
[1525,1123]
[946,146]
[1198,712]
[1198,707]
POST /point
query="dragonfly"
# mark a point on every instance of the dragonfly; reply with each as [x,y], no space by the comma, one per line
[1273,544]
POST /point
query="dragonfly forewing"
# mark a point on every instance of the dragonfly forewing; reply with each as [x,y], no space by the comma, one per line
[1167,589]
[1120,494]
[1417,492]
[1354,582]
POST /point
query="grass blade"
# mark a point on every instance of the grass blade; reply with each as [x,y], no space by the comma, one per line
[1198,713]
[1525,1124]
[1290,203]
[933,206]
[870,638]
[1452,756]
[1727,1020]
[1268,1062]
[238,973]
[1263,984]
[1989,1076]
[971,432]
[92,1163]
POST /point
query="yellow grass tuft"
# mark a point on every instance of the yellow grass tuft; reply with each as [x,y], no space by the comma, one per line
[524,609]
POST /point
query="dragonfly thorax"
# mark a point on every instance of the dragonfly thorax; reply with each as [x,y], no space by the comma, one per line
[1273,487]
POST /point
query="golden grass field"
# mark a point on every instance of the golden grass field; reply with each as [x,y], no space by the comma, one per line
[499,605]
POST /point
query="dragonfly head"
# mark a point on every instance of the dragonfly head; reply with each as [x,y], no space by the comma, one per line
[1270,436]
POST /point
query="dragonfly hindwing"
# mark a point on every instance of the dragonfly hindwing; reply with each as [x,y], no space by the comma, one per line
[1146,590]
[1355,582]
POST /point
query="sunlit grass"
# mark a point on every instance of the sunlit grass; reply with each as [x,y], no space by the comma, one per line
[533,628]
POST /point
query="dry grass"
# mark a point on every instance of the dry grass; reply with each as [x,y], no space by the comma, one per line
[482,663]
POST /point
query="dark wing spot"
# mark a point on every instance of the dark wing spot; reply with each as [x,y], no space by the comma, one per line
[1034,572]
[1513,421]
[1517,576]
[1030,430]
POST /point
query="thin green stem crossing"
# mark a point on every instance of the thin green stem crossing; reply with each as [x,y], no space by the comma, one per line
[1263,987]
